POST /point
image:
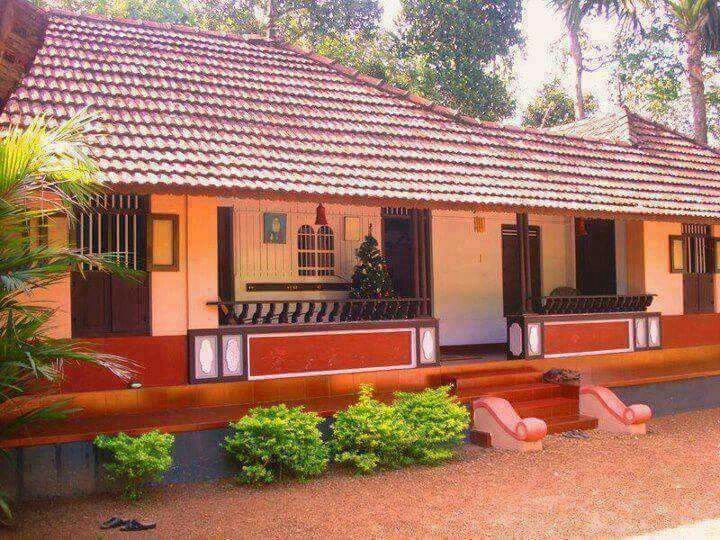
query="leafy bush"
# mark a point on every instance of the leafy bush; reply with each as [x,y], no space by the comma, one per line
[436,422]
[271,441]
[371,435]
[135,461]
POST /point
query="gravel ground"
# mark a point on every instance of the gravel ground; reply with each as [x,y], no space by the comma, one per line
[609,485]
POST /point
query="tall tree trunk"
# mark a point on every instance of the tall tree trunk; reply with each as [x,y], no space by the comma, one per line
[697,84]
[272,20]
[577,56]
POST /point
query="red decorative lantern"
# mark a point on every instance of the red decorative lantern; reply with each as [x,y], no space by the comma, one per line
[320,217]
[580,227]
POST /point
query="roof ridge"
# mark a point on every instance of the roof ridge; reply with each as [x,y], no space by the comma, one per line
[448,112]
[181,28]
[669,129]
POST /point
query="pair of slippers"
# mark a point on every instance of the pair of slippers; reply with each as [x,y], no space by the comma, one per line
[126,525]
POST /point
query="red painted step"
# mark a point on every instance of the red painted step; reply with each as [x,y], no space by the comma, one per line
[488,379]
[561,424]
[547,408]
[557,404]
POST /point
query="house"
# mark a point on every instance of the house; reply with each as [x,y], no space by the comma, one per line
[243,173]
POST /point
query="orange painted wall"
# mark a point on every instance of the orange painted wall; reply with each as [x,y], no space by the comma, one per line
[273,355]
[586,337]
[169,289]
[159,361]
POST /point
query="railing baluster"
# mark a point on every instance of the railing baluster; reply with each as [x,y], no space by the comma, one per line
[321,312]
[334,311]
[243,313]
[283,316]
[296,313]
[270,314]
[345,313]
[258,311]
[310,311]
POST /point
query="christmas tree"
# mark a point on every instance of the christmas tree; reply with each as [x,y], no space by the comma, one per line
[371,278]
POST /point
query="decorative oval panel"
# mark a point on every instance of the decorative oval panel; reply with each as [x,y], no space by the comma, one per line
[207,357]
[428,345]
[515,341]
[232,355]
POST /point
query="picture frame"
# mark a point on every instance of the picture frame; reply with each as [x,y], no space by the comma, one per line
[274,228]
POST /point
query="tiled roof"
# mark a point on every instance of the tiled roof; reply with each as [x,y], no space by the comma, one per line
[182,108]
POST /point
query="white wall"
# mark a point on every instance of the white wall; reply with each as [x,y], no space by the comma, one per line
[467,272]
[256,261]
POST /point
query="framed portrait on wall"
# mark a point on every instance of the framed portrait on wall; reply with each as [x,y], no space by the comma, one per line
[274,228]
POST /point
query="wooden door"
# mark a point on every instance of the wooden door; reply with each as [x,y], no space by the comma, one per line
[398,240]
[226,259]
[595,271]
[698,279]
[512,301]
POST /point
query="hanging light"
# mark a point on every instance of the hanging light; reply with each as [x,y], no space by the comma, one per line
[580,227]
[320,217]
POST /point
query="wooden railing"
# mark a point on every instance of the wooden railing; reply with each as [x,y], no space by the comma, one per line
[556,305]
[256,312]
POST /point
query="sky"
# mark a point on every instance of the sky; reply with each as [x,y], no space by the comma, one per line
[542,28]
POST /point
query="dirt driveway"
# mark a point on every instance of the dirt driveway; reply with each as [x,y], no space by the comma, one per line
[609,485]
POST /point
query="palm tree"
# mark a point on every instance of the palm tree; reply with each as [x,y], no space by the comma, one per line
[574,12]
[698,22]
[44,172]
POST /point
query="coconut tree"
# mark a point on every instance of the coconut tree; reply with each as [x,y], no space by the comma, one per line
[699,24]
[574,13]
[45,172]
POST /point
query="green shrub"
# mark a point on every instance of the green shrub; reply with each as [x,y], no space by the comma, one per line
[436,422]
[371,435]
[135,461]
[271,441]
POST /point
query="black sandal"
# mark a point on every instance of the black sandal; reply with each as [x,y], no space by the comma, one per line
[134,525]
[113,523]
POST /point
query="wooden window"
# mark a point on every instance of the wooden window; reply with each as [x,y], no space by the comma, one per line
[306,251]
[325,251]
[103,303]
[677,255]
[316,252]
[163,243]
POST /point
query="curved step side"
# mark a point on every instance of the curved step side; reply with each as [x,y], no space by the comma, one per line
[612,414]
[497,417]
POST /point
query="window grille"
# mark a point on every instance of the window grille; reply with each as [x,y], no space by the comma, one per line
[114,224]
[306,251]
[316,252]
[698,249]
[325,251]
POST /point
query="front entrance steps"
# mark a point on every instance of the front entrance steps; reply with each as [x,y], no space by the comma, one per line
[558,405]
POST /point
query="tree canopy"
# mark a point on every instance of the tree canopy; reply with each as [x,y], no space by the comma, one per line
[467,47]
[650,74]
[553,106]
